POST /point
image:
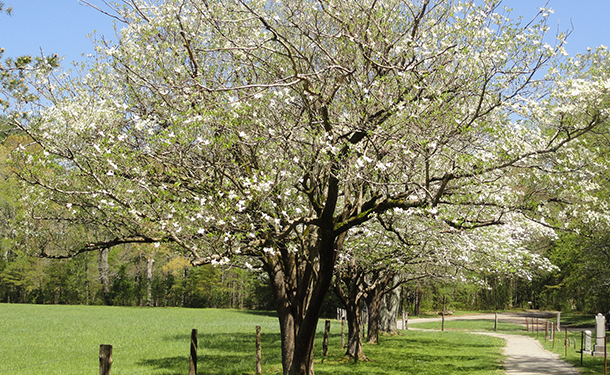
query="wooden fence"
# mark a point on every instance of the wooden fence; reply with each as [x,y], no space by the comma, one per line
[106,352]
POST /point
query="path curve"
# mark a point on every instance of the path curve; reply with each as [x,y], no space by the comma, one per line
[525,355]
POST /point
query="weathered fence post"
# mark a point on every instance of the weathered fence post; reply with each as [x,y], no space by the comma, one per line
[325,341]
[582,345]
[495,321]
[193,357]
[259,365]
[443,320]
[527,327]
[105,359]
[405,320]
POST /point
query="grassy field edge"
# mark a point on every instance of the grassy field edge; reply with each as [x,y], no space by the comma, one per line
[64,340]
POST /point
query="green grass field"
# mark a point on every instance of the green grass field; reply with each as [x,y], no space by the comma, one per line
[52,339]
[423,352]
[46,339]
[471,325]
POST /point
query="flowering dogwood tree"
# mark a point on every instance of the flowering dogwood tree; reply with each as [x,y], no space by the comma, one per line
[404,246]
[266,130]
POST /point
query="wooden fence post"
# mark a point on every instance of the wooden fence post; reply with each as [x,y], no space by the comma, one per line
[495,321]
[325,341]
[259,365]
[105,359]
[582,345]
[527,327]
[193,358]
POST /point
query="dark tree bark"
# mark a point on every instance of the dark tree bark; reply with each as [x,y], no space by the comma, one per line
[418,297]
[348,287]
[354,324]
[299,282]
[373,301]
[375,292]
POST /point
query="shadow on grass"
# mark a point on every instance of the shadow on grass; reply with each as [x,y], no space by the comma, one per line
[581,321]
[271,314]
[409,353]
[434,353]
[219,354]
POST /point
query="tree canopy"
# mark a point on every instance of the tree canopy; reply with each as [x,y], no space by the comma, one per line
[264,131]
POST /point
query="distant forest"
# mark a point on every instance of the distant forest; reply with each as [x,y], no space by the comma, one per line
[126,276]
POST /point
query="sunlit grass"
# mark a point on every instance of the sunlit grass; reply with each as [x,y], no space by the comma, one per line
[422,352]
[470,325]
[65,339]
[50,339]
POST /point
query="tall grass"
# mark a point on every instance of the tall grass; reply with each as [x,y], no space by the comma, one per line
[47,339]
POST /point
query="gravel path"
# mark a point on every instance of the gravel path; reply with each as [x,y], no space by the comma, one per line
[525,355]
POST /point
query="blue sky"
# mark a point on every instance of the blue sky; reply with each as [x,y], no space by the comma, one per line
[55,26]
[62,26]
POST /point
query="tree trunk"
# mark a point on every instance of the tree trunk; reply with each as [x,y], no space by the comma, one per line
[149,276]
[103,272]
[354,340]
[389,308]
[349,289]
[87,286]
[287,332]
[299,287]
[373,301]
[418,297]
[302,363]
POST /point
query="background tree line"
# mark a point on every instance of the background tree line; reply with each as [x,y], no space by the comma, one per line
[26,279]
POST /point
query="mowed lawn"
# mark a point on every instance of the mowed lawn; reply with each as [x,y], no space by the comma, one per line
[473,325]
[53,339]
